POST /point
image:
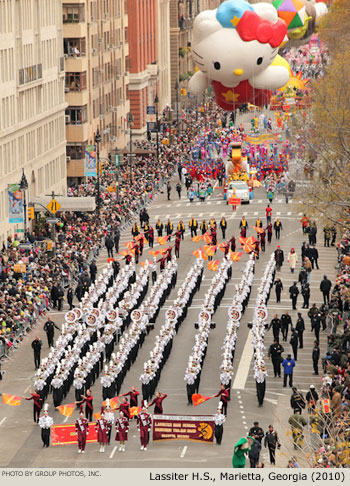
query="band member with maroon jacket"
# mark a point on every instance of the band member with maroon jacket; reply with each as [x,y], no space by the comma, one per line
[102,429]
[82,429]
[224,394]
[157,402]
[124,407]
[36,405]
[144,425]
[122,429]
[133,397]
[89,408]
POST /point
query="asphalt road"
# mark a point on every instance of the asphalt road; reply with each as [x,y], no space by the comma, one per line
[20,442]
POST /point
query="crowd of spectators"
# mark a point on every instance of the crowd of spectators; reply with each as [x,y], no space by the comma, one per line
[36,280]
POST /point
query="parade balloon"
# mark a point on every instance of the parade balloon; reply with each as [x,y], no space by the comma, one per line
[301,17]
[234,47]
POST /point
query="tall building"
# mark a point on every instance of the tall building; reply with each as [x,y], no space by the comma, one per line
[182,14]
[143,45]
[96,54]
[164,74]
[32,123]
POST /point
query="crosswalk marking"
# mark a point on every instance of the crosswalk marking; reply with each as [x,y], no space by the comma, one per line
[256,213]
[245,213]
[259,201]
[289,214]
[198,203]
[278,213]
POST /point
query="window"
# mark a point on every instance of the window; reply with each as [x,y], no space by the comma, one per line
[75,81]
[73,13]
[77,114]
[76,151]
[74,47]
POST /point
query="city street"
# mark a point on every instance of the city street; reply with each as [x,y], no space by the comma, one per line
[24,448]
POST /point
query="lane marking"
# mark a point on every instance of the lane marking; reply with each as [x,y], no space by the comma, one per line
[244,364]
[113,452]
[3,420]
[65,420]
[25,391]
[183,451]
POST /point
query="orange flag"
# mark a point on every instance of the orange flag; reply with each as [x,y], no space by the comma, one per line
[258,230]
[113,402]
[154,253]
[198,238]
[209,249]
[66,410]
[97,415]
[124,253]
[134,411]
[130,245]
[207,238]
[214,265]
[142,264]
[162,239]
[236,256]
[242,240]
[223,247]
[197,399]
[12,400]
[251,240]
[200,253]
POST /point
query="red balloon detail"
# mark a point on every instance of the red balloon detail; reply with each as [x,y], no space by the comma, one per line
[252,27]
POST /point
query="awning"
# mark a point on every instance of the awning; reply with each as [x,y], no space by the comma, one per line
[83,204]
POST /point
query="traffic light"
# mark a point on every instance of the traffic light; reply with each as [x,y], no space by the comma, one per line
[101,168]
[31,212]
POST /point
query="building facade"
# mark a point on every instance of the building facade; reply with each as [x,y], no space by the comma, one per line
[96,54]
[164,70]
[144,69]
[32,104]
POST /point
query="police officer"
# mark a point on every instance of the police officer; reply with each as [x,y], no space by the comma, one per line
[275,354]
[36,345]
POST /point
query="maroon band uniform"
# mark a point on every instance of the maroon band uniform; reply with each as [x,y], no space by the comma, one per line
[122,428]
[157,402]
[82,429]
[36,405]
[144,425]
[102,429]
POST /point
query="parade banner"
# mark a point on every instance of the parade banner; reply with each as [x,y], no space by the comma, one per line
[90,161]
[234,201]
[185,427]
[266,137]
[66,434]
[15,203]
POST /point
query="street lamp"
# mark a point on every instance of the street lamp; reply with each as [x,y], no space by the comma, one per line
[156,101]
[177,106]
[98,139]
[23,185]
[130,122]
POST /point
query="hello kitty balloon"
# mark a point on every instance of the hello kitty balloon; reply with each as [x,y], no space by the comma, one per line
[235,48]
